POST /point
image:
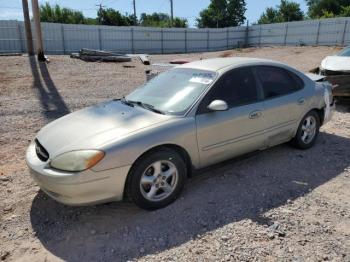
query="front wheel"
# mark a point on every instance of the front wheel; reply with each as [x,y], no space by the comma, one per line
[157,179]
[307,131]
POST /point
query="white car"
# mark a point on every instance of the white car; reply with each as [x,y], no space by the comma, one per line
[337,64]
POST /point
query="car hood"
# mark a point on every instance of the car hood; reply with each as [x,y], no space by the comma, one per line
[336,63]
[94,126]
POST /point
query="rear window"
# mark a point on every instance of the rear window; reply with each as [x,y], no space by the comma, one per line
[277,81]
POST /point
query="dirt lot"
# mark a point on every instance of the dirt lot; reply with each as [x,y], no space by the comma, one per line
[281,204]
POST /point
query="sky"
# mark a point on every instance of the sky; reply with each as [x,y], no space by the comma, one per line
[11,9]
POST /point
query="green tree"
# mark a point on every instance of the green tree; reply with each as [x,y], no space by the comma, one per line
[285,12]
[320,8]
[345,11]
[111,16]
[290,11]
[180,22]
[222,13]
[161,20]
[271,15]
[327,14]
[57,14]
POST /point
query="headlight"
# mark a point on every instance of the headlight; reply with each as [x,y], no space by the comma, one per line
[77,160]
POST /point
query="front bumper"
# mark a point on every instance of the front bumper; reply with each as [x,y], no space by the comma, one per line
[77,188]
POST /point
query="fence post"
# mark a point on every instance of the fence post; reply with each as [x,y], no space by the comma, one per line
[132,41]
[208,39]
[63,39]
[260,31]
[286,34]
[99,38]
[246,37]
[20,36]
[162,39]
[227,36]
[318,32]
[185,40]
[344,33]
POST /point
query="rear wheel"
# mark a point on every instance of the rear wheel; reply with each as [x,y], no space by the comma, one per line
[157,179]
[307,131]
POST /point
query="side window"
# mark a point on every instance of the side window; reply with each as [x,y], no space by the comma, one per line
[277,81]
[237,87]
[298,81]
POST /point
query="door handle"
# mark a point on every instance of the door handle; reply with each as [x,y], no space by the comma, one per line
[255,114]
[301,101]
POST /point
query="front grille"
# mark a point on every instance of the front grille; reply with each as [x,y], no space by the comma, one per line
[41,152]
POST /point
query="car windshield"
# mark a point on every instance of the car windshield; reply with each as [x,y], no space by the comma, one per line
[345,52]
[173,92]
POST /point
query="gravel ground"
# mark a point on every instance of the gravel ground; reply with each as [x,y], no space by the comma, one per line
[281,204]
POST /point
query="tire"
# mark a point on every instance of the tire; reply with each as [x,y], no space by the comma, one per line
[301,139]
[146,179]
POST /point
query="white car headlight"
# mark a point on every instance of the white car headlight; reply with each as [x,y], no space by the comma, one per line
[77,160]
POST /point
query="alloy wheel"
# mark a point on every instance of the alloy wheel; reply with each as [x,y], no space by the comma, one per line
[159,180]
[308,129]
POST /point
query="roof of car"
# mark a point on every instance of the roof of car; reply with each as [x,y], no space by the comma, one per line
[216,64]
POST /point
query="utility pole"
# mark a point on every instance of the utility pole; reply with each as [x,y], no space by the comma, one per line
[135,17]
[100,9]
[39,40]
[171,13]
[28,28]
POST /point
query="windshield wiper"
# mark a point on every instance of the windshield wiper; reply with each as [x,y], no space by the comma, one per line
[146,106]
[126,102]
[151,107]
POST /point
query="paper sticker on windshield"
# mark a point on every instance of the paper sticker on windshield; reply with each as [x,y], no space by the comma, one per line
[205,79]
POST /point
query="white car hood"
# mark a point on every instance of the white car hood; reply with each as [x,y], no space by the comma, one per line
[336,63]
[95,126]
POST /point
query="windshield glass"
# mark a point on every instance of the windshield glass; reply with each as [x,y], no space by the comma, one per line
[345,52]
[174,91]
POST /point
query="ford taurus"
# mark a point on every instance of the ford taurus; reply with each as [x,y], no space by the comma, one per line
[144,146]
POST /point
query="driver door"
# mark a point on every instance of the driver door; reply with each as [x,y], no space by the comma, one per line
[224,134]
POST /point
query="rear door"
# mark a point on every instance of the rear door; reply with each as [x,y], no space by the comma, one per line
[238,130]
[284,102]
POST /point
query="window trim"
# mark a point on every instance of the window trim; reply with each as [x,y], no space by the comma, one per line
[289,72]
[259,91]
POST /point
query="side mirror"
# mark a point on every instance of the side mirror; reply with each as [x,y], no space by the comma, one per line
[218,105]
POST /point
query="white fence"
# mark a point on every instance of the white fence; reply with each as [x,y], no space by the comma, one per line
[310,32]
[66,38]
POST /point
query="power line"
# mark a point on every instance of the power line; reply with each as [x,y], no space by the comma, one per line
[10,7]
[109,2]
[161,6]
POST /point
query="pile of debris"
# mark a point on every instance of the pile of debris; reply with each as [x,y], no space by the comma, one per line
[91,55]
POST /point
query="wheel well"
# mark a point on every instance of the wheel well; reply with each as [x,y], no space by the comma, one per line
[320,113]
[183,153]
